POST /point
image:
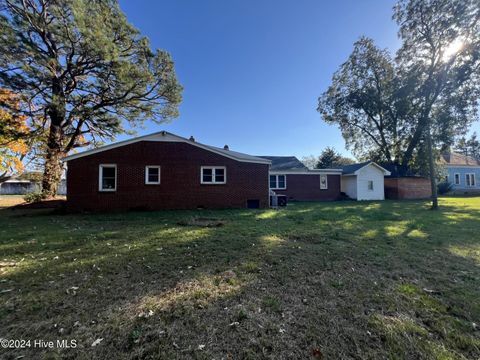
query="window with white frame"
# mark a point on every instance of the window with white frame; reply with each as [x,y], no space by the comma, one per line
[457,179]
[470,179]
[278,182]
[370,185]
[213,175]
[323,182]
[107,177]
[152,175]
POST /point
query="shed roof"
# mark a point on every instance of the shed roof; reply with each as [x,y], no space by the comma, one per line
[350,169]
[353,168]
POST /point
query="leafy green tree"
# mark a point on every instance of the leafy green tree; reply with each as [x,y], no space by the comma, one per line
[470,146]
[85,72]
[364,101]
[330,158]
[390,109]
[440,56]
[310,161]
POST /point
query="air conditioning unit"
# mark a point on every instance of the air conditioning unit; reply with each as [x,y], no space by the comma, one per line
[282,200]
[277,200]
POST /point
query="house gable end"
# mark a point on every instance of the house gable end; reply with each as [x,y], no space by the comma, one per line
[164,136]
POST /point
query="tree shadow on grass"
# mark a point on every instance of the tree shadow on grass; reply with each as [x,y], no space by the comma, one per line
[351,281]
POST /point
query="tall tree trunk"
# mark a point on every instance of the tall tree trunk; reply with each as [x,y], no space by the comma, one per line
[433,173]
[53,163]
[55,149]
[419,131]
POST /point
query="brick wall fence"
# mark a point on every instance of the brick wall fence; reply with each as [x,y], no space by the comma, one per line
[407,188]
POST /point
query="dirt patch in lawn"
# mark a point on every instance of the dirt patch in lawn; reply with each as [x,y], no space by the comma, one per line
[202,222]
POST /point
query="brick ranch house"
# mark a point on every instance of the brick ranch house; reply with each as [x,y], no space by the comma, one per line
[165,171]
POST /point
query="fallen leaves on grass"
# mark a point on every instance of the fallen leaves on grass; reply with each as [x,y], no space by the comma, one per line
[96,342]
[316,353]
[146,314]
[72,290]
[430,291]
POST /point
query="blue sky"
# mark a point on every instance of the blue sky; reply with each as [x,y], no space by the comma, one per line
[252,70]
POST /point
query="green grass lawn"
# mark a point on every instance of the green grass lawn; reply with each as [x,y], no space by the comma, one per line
[341,280]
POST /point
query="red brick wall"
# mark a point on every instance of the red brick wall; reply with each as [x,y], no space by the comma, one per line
[407,188]
[307,188]
[180,179]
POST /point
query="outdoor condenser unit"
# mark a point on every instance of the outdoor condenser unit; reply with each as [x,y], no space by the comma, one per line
[278,200]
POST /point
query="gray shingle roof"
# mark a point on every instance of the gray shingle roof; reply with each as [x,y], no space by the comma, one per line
[350,169]
[285,163]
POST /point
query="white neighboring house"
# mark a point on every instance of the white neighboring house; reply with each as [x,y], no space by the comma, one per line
[364,181]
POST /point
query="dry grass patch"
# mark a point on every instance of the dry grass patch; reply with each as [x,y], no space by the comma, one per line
[10,200]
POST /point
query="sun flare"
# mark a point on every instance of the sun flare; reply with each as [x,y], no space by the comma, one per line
[453,48]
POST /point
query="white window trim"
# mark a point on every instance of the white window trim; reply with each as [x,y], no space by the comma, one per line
[146,175]
[213,182]
[471,177]
[326,182]
[276,182]
[455,177]
[100,176]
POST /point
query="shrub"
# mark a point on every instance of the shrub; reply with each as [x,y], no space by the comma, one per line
[444,187]
[33,197]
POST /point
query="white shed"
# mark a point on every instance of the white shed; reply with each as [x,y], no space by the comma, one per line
[364,181]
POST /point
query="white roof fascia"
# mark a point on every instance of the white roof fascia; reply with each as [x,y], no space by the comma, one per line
[311,172]
[164,136]
[385,171]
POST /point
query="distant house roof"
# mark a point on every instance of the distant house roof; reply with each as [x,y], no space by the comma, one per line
[169,137]
[458,159]
[285,163]
[17,181]
[353,168]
